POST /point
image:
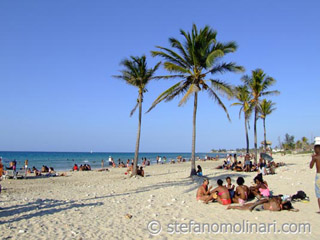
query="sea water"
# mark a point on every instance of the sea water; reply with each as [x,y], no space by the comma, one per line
[66,160]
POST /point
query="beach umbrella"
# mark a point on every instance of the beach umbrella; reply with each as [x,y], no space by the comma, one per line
[267,157]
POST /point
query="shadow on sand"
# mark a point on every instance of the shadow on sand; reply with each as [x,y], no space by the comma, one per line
[42,208]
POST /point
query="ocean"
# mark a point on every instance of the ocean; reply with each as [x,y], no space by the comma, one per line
[62,161]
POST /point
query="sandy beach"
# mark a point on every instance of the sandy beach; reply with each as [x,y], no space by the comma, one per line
[93,205]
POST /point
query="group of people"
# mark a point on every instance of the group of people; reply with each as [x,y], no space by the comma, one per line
[85,167]
[140,170]
[262,166]
[227,194]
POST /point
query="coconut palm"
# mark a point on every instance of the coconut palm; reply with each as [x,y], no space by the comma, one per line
[304,142]
[193,60]
[243,96]
[137,74]
[299,144]
[258,84]
[266,108]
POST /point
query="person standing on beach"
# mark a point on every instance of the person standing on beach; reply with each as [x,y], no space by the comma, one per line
[316,161]
[102,163]
[26,165]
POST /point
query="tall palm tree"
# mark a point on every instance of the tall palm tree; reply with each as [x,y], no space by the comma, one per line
[243,96]
[137,74]
[193,60]
[266,108]
[258,83]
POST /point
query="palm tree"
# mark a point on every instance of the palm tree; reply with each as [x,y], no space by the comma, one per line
[198,56]
[304,142]
[137,74]
[298,144]
[243,96]
[258,83]
[266,108]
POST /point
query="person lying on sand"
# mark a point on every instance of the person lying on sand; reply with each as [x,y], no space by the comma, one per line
[223,195]
[316,161]
[203,193]
[103,170]
[261,188]
[242,192]
[271,204]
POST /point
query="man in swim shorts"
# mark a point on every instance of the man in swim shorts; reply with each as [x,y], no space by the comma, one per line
[316,161]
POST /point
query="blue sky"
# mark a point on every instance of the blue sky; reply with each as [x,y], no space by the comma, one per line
[57,59]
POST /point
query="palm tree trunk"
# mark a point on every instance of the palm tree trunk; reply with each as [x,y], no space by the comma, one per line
[247,135]
[265,134]
[193,150]
[255,134]
[136,154]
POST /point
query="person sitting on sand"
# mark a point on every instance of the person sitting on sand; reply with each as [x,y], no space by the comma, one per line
[230,187]
[261,187]
[271,204]
[316,161]
[203,193]
[44,169]
[223,195]
[75,168]
[51,170]
[199,171]
[81,168]
[140,172]
[241,193]
[262,166]
[130,169]
[238,167]
[36,171]
[88,167]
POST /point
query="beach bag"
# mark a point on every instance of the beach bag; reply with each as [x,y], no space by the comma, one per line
[300,195]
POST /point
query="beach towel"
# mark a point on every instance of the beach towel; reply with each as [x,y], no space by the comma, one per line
[317,185]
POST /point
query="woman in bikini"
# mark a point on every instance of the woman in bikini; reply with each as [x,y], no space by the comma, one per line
[223,195]
[261,188]
[242,192]
[203,193]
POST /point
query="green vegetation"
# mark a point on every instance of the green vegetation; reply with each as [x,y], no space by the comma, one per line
[193,60]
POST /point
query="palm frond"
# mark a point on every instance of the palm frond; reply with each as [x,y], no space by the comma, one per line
[226,67]
[218,100]
[134,109]
[164,95]
[222,87]
[192,89]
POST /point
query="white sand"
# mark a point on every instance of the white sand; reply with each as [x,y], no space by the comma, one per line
[93,205]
